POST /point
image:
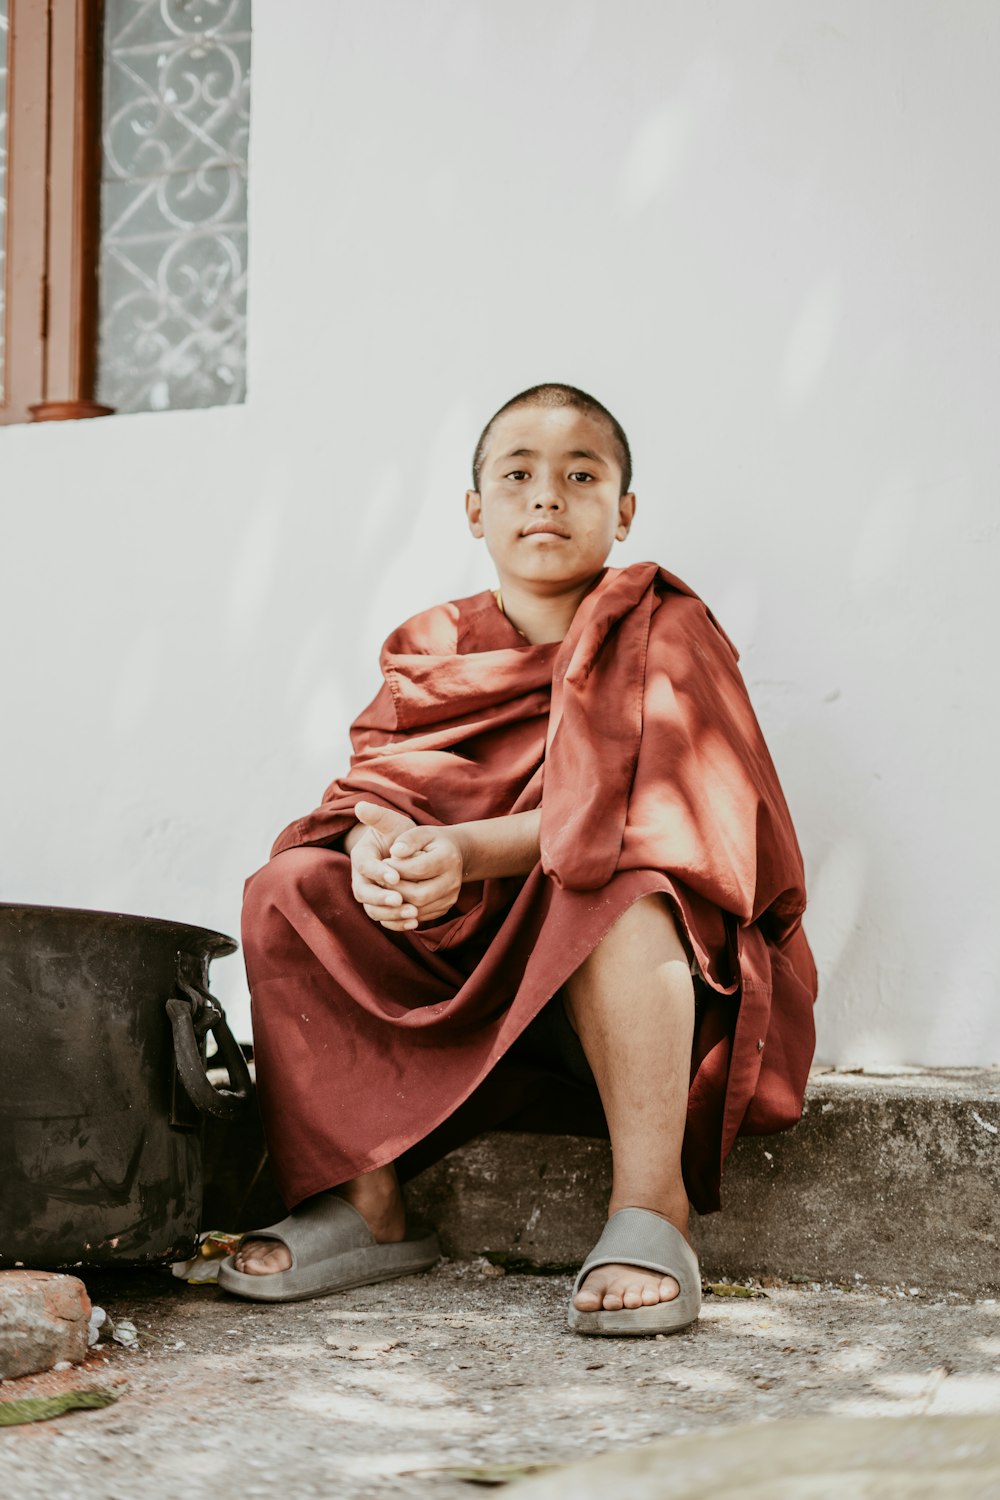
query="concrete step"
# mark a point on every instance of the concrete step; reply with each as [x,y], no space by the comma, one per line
[891,1178]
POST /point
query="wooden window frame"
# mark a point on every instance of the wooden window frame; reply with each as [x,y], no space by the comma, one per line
[53,210]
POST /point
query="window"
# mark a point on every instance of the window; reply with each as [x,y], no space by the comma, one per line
[176,115]
[125,192]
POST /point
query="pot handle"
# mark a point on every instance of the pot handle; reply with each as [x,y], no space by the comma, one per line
[193,1013]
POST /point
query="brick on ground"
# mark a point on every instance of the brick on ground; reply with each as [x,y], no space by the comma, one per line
[43,1320]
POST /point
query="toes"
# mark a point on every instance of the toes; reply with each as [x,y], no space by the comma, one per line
[262,1258]
[612,1288]
[594,1293]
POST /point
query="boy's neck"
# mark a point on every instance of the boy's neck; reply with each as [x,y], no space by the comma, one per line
[541,618]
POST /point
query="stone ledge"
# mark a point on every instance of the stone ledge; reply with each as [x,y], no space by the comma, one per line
[892,1177]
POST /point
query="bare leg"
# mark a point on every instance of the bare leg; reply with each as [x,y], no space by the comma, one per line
[632,1003]
[375,1195]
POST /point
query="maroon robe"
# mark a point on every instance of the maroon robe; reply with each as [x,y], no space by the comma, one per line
[636,736]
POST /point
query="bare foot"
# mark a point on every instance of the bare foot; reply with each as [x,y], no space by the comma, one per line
[262,1258]
[610,1288]
[378,1200]
[613,1287]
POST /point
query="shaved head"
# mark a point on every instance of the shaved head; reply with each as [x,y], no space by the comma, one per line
[554,396]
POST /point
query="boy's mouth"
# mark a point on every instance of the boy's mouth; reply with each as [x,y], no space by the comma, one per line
[546,528]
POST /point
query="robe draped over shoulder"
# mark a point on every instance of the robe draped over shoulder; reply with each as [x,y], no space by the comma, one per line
[636,738]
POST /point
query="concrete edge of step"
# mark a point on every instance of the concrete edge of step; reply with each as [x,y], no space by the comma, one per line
[891,1178]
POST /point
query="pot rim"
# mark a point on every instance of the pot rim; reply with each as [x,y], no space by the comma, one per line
[218,943]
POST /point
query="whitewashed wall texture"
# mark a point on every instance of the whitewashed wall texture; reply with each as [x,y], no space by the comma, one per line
[767,236]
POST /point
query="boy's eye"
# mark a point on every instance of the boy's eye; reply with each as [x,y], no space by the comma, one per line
[517,474]
[582,474]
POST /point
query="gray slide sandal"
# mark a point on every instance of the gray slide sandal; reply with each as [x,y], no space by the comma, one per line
[636,1237]
[332,1249]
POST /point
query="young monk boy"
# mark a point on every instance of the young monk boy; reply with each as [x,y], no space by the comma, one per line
[561,837]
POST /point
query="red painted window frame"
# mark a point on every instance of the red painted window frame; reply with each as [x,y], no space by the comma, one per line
[53,210]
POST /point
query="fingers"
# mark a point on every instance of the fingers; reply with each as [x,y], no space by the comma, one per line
[423,864]
[408,916]
[393,918]
[426,854]
[423,900]
[372,882]
[405,877]
[384,904]
[371,814]
[382,820]
[400,910]
[371,893]
[412,842]
[425,893]
[367,865]
[371,876]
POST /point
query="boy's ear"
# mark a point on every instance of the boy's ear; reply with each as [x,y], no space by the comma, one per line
[474,511]
[626,515]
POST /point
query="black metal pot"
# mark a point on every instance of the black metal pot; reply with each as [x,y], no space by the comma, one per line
[103,1027]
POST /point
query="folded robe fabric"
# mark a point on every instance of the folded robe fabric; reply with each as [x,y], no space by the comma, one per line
[636,737]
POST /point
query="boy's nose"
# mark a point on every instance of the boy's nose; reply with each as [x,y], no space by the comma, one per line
[547,497]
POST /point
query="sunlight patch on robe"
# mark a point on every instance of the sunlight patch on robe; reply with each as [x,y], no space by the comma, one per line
[726,816]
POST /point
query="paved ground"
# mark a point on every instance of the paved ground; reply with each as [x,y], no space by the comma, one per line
[380,1392]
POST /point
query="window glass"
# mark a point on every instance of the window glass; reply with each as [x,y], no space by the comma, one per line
[176,109]
[3,174]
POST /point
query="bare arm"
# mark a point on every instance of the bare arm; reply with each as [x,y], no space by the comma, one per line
[496,847]
[490,848]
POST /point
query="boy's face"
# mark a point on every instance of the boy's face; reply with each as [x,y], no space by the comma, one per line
[549,504]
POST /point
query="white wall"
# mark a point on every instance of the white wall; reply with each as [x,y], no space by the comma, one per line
[765,232]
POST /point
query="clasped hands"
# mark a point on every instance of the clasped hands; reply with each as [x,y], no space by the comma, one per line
[401,873]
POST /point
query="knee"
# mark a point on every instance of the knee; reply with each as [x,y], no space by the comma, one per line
[645,936]
[293,878]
